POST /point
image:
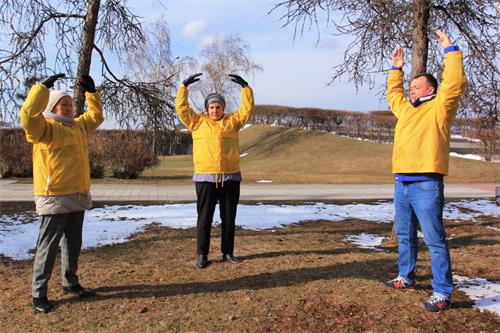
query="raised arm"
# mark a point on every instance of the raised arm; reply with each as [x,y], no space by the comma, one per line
[395,88]
[454,82]
[186,114]
[243,114]
[94,117]
[32,121]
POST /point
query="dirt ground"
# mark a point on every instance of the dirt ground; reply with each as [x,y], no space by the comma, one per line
[303,278]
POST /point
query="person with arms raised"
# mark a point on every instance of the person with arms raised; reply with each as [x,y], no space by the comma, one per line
[419,163]
[61,180]
[216,157]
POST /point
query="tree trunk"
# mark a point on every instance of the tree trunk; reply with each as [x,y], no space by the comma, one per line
[85,54]
[420,39]
[419,50]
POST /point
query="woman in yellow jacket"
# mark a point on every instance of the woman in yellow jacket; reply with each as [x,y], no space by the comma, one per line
[61,180]
[216,157]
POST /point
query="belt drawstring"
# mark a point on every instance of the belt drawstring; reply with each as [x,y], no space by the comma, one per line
[217,180]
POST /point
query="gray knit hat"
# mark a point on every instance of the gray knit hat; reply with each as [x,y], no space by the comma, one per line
[213,98]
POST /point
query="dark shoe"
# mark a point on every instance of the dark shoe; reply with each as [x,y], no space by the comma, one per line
[436,304]
[230,258]
[398,283]
[79,290]
[201,261]
[42,305]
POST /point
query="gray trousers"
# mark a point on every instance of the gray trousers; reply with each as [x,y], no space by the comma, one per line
[64,230]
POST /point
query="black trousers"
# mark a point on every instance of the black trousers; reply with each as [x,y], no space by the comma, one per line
[207,196]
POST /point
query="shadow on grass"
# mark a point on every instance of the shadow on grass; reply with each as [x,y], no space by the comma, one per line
[275,254]
[470,240]
[370,270]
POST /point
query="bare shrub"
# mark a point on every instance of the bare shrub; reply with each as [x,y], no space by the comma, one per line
[122,154]
[15,154]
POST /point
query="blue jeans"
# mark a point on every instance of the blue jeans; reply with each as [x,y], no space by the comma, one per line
[422,202]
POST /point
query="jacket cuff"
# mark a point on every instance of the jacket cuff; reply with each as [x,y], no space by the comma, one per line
[394,68]
[451,48]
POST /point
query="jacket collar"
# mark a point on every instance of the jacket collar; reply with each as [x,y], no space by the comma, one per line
[422,100]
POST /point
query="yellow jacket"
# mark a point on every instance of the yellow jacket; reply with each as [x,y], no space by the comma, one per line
[216,147]
[60,153]
[422,135]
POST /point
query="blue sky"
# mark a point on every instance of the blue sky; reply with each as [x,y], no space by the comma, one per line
[296,73]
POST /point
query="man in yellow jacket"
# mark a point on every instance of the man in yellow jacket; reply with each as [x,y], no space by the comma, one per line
[61,180]
[419,162]
[216,157]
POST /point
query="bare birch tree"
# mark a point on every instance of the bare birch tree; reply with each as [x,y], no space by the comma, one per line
[223,56]
[145,99]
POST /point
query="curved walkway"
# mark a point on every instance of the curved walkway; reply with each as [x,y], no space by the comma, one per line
[11,191]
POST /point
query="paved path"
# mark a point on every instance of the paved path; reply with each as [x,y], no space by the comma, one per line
[10,190]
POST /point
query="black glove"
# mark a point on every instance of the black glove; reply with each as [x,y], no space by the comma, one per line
[238,79]
[87,84]
[192,79]
[49,82]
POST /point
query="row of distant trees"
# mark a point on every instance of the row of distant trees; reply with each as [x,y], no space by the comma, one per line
[374,125]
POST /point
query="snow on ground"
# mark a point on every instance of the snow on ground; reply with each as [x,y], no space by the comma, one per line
[243,155]
[458,136]
[476,207]
[471,157]
[366,241]
[467,156]
[484,293]
[264,181]
[114,224]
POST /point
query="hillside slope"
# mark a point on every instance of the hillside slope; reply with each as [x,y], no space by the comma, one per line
[292,155]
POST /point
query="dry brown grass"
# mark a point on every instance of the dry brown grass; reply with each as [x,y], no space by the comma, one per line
[302,278]
[291,155]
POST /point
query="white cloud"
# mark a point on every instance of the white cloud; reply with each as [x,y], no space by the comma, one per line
[194,28]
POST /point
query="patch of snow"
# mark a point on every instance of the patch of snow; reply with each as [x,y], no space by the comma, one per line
[247,126]
[243,155]
[365,241]
[264,181]
[467,156]
[471,157]
[484,293]
[478,207]
[115,224]
[458,136]
[361,139]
